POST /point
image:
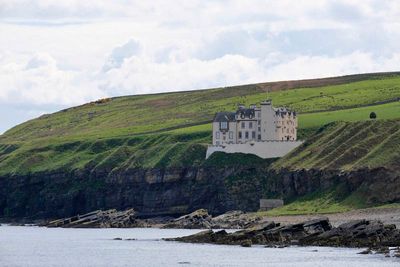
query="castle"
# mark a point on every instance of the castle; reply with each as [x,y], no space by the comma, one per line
[264,131]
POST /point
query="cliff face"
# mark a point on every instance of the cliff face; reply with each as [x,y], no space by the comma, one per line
[176,191]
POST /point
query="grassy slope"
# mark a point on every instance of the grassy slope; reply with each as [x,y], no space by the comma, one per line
[345,146]
[112,134]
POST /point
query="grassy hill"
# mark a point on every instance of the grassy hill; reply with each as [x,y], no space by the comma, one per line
[172,129]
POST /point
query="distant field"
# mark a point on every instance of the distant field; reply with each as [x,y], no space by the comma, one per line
[384,111]
[313,120]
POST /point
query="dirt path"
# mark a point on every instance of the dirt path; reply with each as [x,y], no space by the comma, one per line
[386,215]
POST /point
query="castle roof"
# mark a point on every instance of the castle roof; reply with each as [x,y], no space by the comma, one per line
[225,117]
[283,111]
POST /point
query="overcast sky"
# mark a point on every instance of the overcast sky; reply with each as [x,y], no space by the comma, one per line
[60,53]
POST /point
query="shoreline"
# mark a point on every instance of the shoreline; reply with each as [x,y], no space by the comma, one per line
[389,215]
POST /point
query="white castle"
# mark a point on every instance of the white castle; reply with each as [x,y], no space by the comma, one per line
[265,131]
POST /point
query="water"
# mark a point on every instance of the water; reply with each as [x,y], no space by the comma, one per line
[35,246]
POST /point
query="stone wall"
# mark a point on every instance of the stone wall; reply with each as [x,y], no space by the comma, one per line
[268,204]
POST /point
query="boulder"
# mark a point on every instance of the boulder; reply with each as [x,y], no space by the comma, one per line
[196,220]
[235,220]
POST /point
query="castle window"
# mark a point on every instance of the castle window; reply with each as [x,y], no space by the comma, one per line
[253,135]
[224,125]
[230,135]
[246,134]
[243,125]
[217,135]
[250,125]
[259,137]
[240,135]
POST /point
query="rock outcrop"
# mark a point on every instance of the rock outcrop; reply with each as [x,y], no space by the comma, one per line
[317,232]
[97,219]
[200,219]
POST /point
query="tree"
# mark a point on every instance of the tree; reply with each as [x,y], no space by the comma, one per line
[372,115]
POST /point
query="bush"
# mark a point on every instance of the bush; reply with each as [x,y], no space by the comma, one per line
[372,115]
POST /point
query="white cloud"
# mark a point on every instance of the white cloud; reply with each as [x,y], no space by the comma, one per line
[120,53]
[141,75]
[38,80]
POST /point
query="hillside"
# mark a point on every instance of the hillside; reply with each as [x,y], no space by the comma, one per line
[148,152]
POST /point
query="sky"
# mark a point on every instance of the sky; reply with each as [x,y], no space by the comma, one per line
[60,53]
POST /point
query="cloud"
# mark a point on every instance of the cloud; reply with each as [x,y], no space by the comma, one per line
[140,75]
[38,80]
[120,53]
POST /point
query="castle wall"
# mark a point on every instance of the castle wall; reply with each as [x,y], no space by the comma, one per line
[265,150]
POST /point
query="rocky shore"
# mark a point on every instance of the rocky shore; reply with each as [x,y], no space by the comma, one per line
[360,233]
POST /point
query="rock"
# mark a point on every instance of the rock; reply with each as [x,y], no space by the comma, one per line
[367,251]
[97,219]
[117,238]
[235,220]
[195,220]
[246,243]
[317,226]
[201,237]
[382,250]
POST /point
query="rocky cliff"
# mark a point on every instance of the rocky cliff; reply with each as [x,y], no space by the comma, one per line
[154,192]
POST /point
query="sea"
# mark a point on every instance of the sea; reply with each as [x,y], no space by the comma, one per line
[41,247]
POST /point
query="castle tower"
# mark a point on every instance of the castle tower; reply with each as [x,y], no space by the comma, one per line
[267,121]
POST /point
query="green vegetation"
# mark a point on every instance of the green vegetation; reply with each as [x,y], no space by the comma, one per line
[344,145]
[330,201]
[324,203]
[173,129]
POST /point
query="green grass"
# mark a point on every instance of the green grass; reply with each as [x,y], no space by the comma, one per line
[343,145]
[322,203]
[335,200]
[384,111]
